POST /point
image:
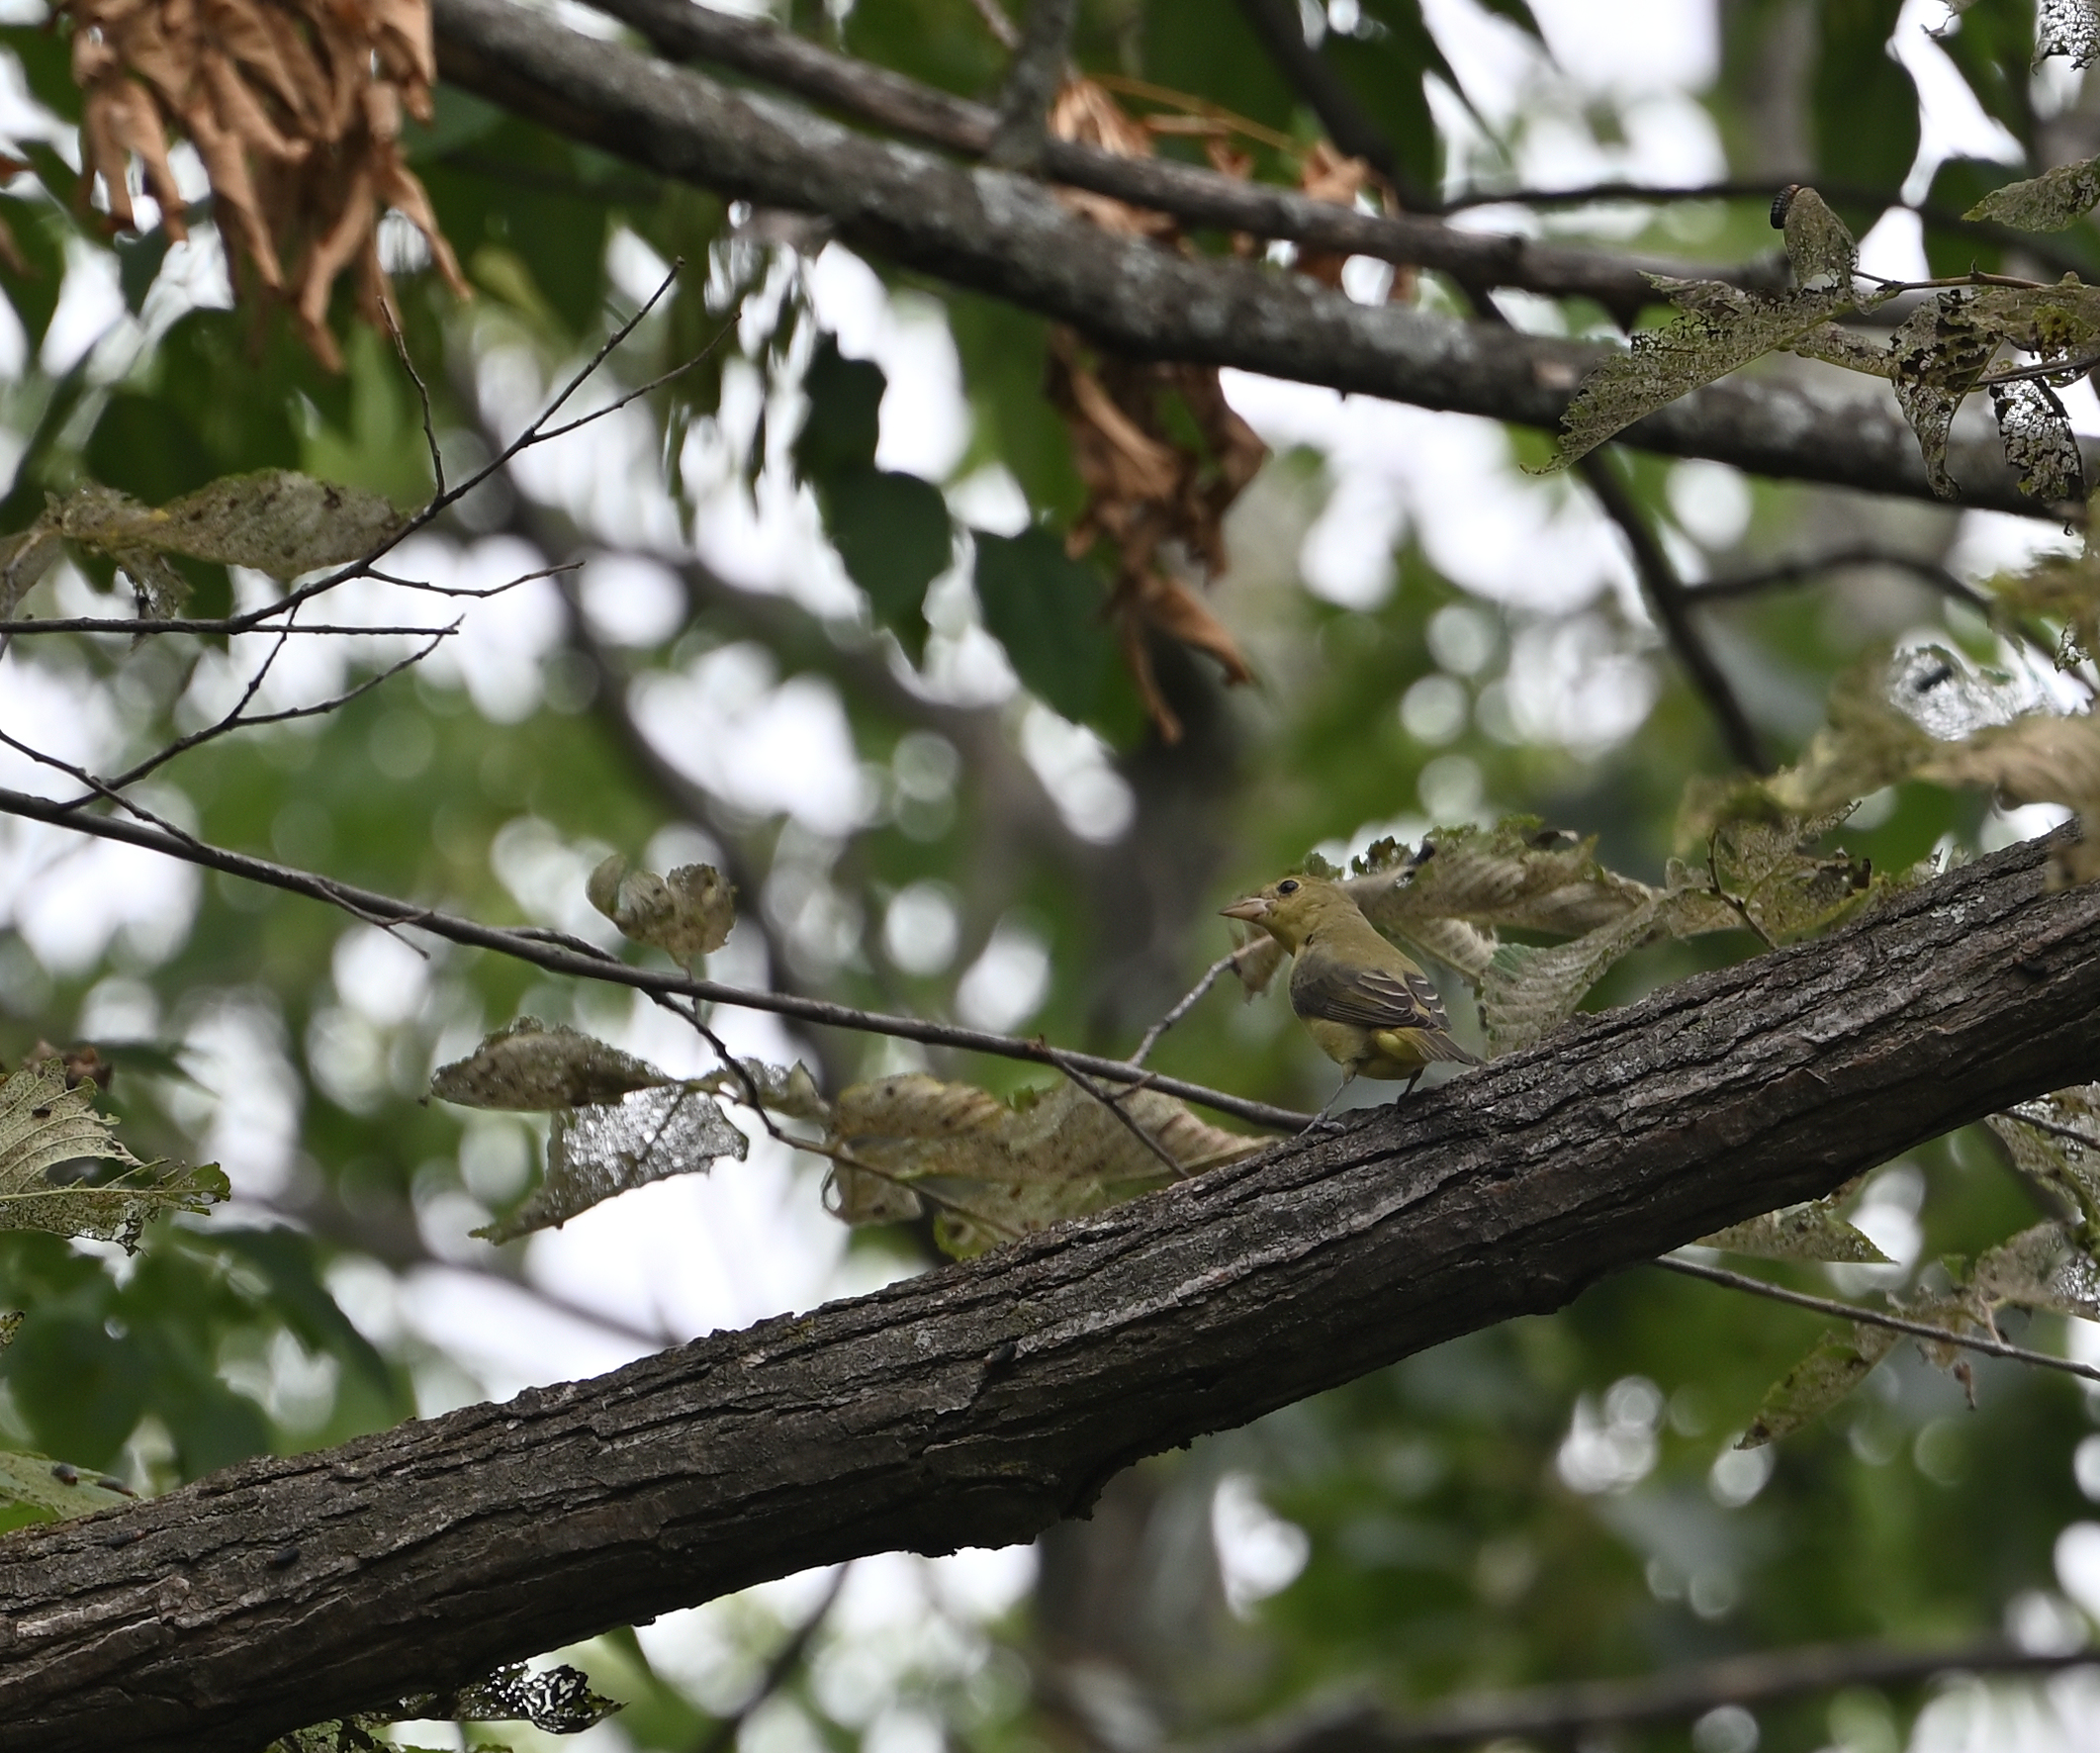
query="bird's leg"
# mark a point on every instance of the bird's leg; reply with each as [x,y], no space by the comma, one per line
[1412,1082]
[1320,1121]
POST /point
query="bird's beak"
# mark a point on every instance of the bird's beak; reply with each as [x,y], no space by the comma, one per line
[1255,909]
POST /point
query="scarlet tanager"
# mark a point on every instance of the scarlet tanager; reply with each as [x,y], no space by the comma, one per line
[1372,1010]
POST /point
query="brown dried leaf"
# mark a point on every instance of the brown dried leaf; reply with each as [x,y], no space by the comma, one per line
[295,107]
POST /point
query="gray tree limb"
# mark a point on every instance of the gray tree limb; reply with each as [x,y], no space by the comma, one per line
[888,100]
[1557,1714]
[1007,235]
[979,1403]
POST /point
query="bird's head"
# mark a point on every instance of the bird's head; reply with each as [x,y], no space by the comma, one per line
[1290,907]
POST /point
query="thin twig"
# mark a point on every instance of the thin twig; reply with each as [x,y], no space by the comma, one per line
[1188,1002]
[1672,602]
[1114,1104]
[721,1736]
[225,626]
[1919,1330]
[422,391]
[238,721]
[384,909]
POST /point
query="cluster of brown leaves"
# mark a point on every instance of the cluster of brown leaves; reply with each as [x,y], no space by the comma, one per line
[1161,453]
[294,107]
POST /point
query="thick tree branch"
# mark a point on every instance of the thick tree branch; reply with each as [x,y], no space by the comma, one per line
[1006,235]
[1197,197]
[976,1403]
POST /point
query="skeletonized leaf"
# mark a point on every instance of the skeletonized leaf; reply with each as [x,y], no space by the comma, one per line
[1530,991]
[790,1090]
[687,913]
[1824,1377]
[2054,201]
[10,1324]
[1721,328]
[2056,1142]
[1769,868]
[274,520]
[558,1700]
[1819,244]
[2039,441]
[537,1067]
[59,1487]
[1517,874]
[991,1170]
[608,1148]
[1811,1231]
[1938,354]
[44,1125]
[2068,28]
[2066,588]
[2039,1268]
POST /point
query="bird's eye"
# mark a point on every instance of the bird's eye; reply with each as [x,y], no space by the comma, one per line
[1289,886]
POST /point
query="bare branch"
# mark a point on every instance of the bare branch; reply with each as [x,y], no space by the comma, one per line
[1672,604]
[1030,84]
[1560,1713]
[1917,1329]
[580,961]
[1186,1003]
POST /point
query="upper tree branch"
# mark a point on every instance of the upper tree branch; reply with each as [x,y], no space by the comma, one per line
[976,1403]
[1197,197]
[1031,83]
[1007,235]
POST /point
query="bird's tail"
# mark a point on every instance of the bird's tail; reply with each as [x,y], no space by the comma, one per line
[1441,1046]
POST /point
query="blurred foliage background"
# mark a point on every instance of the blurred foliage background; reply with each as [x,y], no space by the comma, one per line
[781,656]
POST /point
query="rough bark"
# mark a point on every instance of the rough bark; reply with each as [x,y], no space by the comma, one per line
[977,1403]
[1005,235]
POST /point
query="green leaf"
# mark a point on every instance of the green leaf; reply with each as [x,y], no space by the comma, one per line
[59,1487]
[2067,28]
[1811,1231]
[1719,329]
[1862,106]
[1045,609]
[43,1126]
[2054,201]
[2038,442]
[896,537]
[557,1701]
[2056,1142]
[1819,1382]
[844,421]
[538,1066]
[606,1149]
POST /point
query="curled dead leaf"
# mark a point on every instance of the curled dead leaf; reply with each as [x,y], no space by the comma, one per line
[294,106]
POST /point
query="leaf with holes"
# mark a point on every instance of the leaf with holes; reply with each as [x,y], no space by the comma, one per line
[537,1067]
[47,1125]
[688,914]
[604,1149]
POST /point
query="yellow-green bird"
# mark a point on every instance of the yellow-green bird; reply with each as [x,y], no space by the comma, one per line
[1372,1010]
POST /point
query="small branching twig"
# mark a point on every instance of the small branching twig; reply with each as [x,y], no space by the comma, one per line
[1918,1330]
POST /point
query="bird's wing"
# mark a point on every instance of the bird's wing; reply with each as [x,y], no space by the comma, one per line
[1323,986]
